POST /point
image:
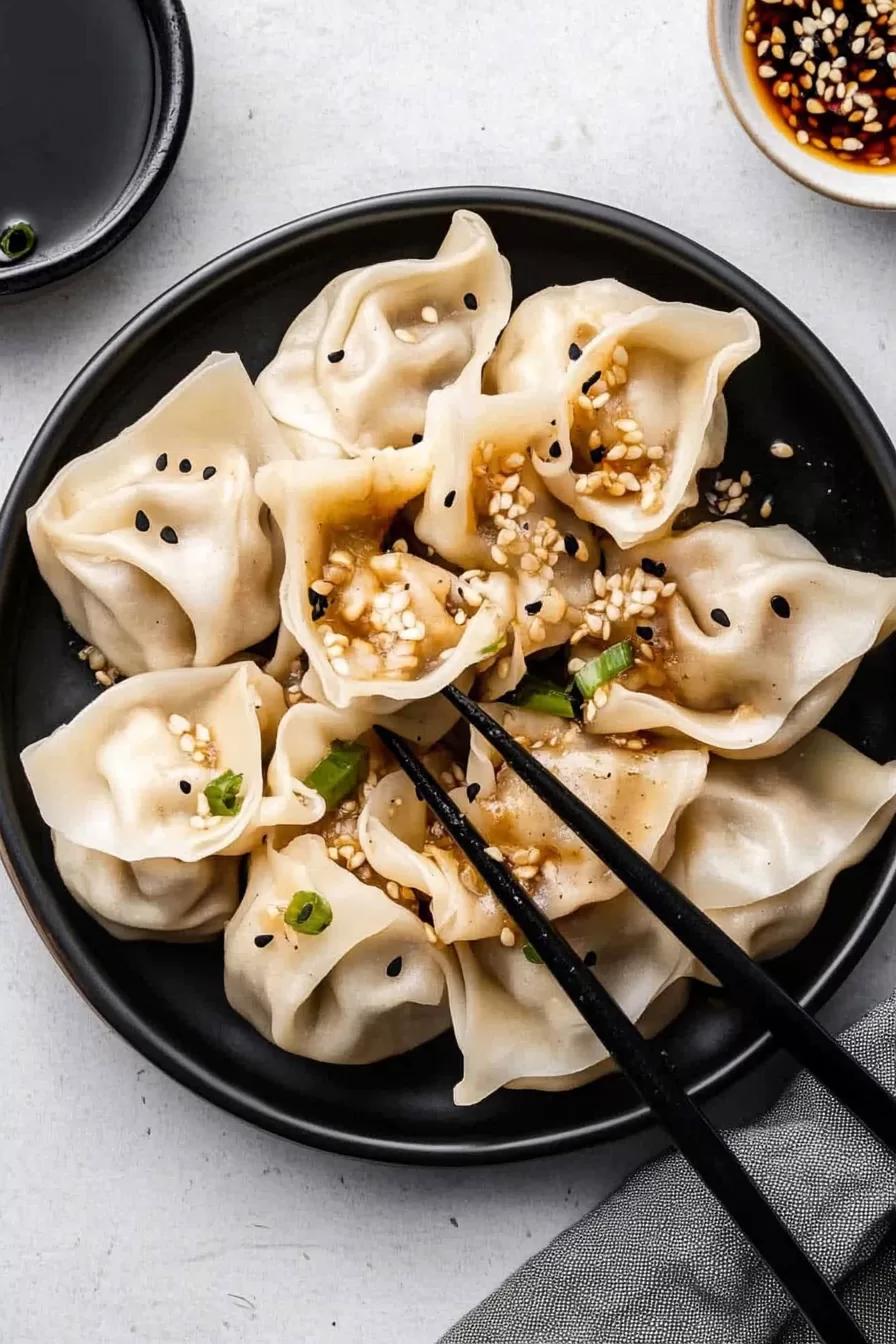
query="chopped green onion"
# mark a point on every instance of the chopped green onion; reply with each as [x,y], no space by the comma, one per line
[495,647]
[607,665]
[222,794]
[543,697]
[338,773]
[308,912]
[17,241]
[531,955]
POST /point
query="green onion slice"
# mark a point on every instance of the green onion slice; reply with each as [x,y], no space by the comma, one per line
[544,697]
[616,659]
[495,647]
[338,773]
[222,794]
[17,241]
[531,955]
[308,912]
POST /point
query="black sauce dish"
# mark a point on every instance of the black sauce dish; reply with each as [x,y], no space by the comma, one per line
[94,101]
[839,489]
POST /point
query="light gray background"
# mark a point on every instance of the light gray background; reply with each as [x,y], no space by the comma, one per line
[130,1209]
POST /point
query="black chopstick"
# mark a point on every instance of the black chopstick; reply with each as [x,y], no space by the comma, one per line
[694,1135]
[789,1023]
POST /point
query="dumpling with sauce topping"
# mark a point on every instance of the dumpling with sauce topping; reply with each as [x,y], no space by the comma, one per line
[156,545]
[486,508]
[640,793]
[329,967]
[746,646]
[357,366]
[384,626]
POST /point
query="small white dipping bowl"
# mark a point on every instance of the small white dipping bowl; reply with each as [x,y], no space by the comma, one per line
[855,186]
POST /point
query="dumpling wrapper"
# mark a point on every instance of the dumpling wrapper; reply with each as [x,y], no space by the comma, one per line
[516,1027]
[329,996]
[760,846]
[463,519]
[756,684]
[151,604]
[533,351]
[162,899]
[374,394]
[111,779]
[640,794]
[328,509]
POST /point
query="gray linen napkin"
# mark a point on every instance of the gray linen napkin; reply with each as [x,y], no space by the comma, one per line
[660,1262]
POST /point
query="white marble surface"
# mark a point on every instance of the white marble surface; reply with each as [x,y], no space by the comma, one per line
[131,1209]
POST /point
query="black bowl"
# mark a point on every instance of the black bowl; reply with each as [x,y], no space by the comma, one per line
[98,132]
[839,489]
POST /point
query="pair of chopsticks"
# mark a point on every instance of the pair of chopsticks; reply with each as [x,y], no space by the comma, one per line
[642,1063]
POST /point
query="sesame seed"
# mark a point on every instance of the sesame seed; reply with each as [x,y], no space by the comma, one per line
[335,356]
[780,606]
[185,786]
[185,465]
[494,853]
[571,544]
[263,939]
[208,473]
[416,438]
[177,724]
[590,959]
[555,450]
[341,666]
[450,498]
[471,302]
[720,617]
[429,314]
[168,534]
[781,449]
[401,334]
[161,461]
[472,791]
[589,382]
[765,510]
[575,351]
[141,522]
[508,937]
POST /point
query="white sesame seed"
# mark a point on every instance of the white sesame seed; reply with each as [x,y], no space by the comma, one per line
[429,314]
[341,666]
[765,72]
[499,556]
[669,589]
[781,449]
[584,401]
[494,853]
[178,725]
[508,937]
[187,743]
[407,336]
[103,677]
[601,401]
[633,436]
[203,806]
[766,508]
[852,145]
[625,425]
[96,660]
[735,489]
[656,453]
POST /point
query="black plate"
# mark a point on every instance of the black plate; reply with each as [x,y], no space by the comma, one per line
[94,101]
[839,489]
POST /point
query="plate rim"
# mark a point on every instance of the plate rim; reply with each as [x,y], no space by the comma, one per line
[76,961]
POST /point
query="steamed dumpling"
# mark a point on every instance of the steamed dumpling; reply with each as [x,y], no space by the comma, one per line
[515,1026]
[128,776]
[156,545]
[150,898]
[369,985]
[639,412]
[387,627]
[356,367]
[760,846]
[641,794]
[751,639]
[486,508]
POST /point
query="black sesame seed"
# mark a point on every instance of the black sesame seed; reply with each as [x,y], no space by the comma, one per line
[555,450]
[450,498]
[318,603]
[161,461]
[141,522]
[575,351]
[416,438]
[335,356]
[590,958]
[644,631]
[533,608]
[589,383]
[654,567]
[597,454]
[186,786]
[394,967]
[209,473]
[780,606]
[720,617]
[471,302]
[472,790]
[168,534]
[305,913]
[185,465]
[262,939]
[571,544]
